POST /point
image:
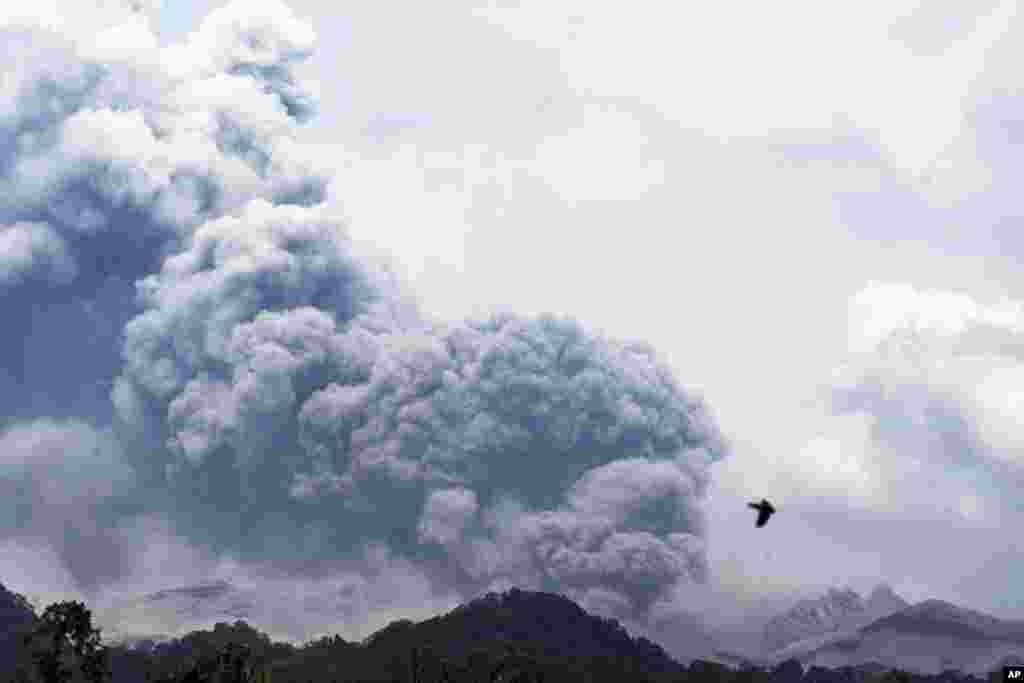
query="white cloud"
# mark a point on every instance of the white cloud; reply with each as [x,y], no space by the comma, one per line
[945,343]
[842,462]
[610,157]
[1000,401]
[881,311]
[798,64]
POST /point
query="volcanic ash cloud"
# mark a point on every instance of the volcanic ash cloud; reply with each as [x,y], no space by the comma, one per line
[276,394]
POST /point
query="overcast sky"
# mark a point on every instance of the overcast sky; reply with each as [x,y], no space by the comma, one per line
[783,240]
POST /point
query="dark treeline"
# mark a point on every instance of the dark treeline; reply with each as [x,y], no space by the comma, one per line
[515,637]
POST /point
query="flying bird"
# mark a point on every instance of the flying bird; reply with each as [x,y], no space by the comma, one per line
[764,511]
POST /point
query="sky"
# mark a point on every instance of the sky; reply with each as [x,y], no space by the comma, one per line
[368,309]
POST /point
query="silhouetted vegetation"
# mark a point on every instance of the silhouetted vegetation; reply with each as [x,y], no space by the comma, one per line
[515,637]
[17,618]
[62,646]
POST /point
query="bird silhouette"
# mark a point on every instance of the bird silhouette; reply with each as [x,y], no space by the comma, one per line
[764,511]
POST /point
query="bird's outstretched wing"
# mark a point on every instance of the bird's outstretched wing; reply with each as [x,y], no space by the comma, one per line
[764,511]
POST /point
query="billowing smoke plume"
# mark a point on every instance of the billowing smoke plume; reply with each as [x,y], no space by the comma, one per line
[111,154]
[263,385]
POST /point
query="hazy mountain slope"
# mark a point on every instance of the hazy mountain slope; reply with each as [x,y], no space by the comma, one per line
[884,601]
[839,610]
[218,598]
[201,605]
[552,629]
[177,610]
[683,637]
[926,638]
[945,618]
[545,624]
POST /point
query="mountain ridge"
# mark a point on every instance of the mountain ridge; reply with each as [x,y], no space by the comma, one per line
[838,610]
[927,637]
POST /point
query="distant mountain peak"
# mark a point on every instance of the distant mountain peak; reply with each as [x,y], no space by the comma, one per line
[932,636]
[884,600]
[883,589]
[813,616]
[838,610]
[932,614]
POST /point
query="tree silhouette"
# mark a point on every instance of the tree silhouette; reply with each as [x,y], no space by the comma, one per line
[231,664]
[65,634]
